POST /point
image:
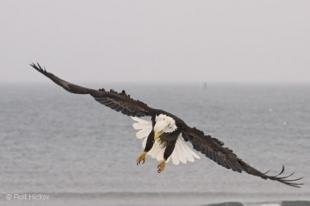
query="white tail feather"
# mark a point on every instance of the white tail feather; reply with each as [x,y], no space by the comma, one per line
[181,153]
[144,127]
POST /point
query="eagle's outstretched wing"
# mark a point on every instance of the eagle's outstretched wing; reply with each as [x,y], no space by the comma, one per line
[215,150]
[121,101]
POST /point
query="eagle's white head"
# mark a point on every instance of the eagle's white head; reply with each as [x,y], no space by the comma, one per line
[164,124]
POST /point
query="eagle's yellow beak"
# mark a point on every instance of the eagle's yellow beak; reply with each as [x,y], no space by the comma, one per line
[157,135]
[159,129]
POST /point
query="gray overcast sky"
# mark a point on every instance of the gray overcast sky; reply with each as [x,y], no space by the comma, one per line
[162,40]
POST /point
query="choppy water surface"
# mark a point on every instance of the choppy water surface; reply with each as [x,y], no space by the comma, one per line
[59,143]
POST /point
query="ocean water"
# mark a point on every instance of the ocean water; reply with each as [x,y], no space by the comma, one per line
[72,148]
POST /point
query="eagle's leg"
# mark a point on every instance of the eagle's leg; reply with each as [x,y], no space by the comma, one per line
[148,147]
[141,158]
[168,151]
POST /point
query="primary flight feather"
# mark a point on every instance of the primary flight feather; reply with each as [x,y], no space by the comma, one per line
[165,136]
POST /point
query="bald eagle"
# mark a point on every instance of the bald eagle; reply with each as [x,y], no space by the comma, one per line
[165,136]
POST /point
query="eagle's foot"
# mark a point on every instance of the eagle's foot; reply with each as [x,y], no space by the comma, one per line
[141,158]
[161,166]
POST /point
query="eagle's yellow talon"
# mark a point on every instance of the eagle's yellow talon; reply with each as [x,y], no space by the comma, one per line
[141,158]
[161,166]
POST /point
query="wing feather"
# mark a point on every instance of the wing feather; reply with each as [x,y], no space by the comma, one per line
[118,101]
[215,150]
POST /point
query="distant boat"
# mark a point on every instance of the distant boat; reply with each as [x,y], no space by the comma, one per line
[205,85]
